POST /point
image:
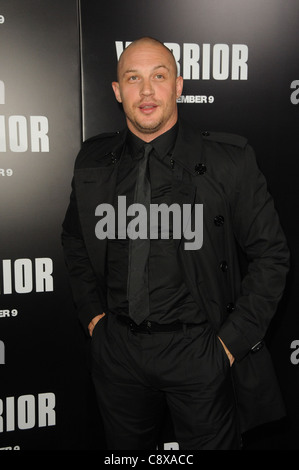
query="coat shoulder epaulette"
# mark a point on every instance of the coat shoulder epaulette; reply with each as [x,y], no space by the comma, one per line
[225,138]
[96,148]
[99,137]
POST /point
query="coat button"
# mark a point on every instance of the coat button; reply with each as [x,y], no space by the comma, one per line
[223,266]
[200,168]
[230,307]
[219,220]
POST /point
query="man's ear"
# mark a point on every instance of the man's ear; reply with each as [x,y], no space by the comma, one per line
[115,86]
[179,86]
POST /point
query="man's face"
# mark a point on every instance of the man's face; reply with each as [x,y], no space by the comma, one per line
[148,89]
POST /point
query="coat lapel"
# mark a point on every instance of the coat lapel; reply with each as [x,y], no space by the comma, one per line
[189,165]
[188,151]
[96,185]
[188,147]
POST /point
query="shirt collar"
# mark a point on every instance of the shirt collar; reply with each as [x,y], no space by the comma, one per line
[163,144]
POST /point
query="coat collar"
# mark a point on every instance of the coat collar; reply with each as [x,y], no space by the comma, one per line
[188,149]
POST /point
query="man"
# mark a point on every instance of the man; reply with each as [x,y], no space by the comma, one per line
[179,326]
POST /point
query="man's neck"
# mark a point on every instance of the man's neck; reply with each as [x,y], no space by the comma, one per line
[150,136]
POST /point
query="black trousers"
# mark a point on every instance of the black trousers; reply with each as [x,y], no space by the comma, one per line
[137,375]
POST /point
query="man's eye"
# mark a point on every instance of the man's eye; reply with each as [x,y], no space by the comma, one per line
[133,78]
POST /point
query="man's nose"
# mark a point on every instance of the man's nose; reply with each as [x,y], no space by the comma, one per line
[146,87]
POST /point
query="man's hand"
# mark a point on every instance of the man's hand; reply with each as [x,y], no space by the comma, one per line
[229,355]
[93,322]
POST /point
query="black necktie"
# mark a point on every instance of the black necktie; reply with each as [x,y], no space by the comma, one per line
[138,291]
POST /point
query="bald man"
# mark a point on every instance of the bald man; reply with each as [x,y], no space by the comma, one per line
[171,322]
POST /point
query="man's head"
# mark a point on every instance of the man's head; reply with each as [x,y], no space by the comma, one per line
[148,87]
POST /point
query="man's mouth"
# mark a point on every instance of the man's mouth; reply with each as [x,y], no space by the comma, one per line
[148,108]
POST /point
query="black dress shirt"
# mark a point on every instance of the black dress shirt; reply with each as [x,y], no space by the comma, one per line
[170,300]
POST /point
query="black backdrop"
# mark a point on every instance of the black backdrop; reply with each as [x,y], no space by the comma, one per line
[57,61]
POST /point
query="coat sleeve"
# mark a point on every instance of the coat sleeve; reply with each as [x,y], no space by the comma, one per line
[88,289]
[84,284]
[257,230]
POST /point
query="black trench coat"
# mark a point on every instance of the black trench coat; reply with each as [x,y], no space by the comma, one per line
[219,171]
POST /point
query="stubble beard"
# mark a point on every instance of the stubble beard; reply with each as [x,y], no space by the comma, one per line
[150,128]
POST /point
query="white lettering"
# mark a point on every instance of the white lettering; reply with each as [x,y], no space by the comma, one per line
[16,133]
[115,460]
[2,353]
[120,47]
[39,134]
[7,278]
[218,61]
[43,275]
[239,62]
[27,412]
[46,405]
[191,62]
[4,313]
[164,211]
[2,92]
[295,94]
[145,224]
[18,139]
[197,233]
[24,275]
[10,414]
[6,172]
[171,446]
[105,228]
[2,134]
[206,48]
[195,99]
[137,228]
[8,313]
[295,354]
[176,51]
[221,62]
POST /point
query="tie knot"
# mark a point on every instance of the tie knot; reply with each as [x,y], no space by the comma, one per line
[147,150]
[144,152]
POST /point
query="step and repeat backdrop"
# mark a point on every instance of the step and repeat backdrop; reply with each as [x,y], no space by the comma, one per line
[42,369]
[239,61]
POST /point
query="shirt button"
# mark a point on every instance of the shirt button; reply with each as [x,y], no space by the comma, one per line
[219,220]
[230,307]
[223,266]
[200,168]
